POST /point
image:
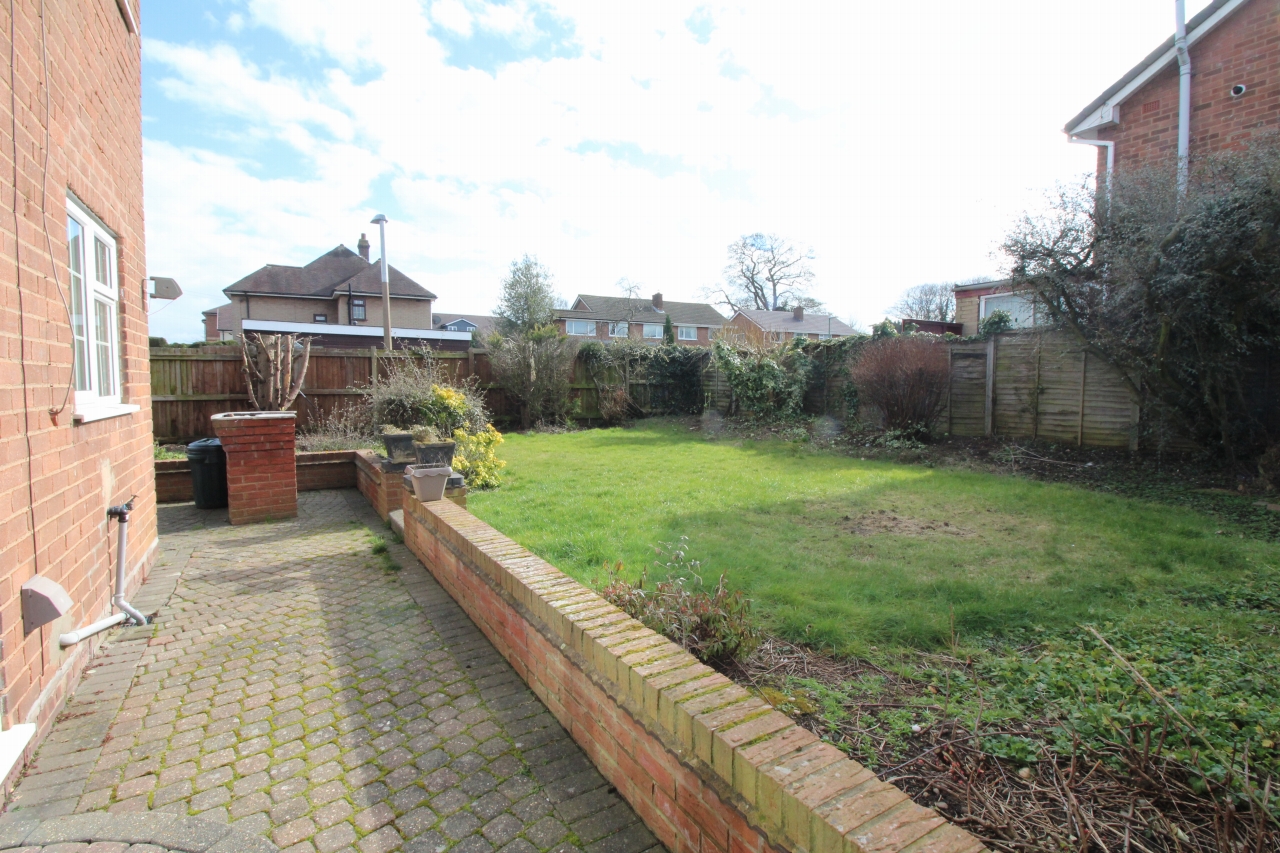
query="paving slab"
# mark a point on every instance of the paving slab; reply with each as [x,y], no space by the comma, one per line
[307,684]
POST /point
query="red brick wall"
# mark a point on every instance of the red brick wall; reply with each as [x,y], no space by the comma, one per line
[327,470]
[262,478]
[384,490]
[1244,48]
[56,476]
[708,767]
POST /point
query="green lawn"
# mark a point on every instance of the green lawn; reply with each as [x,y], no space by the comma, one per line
[852,554]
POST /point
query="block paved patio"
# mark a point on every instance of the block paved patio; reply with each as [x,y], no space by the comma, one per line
[307,690]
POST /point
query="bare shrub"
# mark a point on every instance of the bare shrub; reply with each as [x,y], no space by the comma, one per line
[347,427]
[906,378]
[715,626]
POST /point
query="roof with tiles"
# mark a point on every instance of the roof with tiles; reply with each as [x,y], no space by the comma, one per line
[624,308]
[785,321]
[339,269]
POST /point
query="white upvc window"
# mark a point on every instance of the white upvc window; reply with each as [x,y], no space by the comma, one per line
[824,336]
[95,316]
[619,330]
[582,328]
[687,333]
[653,330]
[1020,307]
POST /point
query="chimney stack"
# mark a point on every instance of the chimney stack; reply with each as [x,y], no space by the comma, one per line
[798,312]
[363,247]
[657,301]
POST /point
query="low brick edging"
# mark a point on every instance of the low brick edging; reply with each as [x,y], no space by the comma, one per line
[173,481]
[315,471]
[707,766]
[380,481]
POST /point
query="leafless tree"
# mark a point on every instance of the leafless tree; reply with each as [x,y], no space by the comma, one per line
[927,302]
[273,367]
[1180,294]
[766,272]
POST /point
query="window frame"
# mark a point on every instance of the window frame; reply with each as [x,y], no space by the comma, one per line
[97,287]
[680,333]
[1017,324]
[587,324]
[357,304]
[320,318]
[644,333]
[621,329]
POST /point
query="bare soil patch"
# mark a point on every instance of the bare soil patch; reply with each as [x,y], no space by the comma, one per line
[883,521]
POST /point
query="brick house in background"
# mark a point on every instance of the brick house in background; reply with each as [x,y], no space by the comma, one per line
[75,408]
[782,325]
[336,300]
[610,317]
[975,302]
[1234,46]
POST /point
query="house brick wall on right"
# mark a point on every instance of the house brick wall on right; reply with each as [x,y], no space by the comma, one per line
[1244,49]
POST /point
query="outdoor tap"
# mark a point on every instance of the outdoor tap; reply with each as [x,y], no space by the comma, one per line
[121,513]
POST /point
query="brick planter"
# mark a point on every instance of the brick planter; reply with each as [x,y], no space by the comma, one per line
[262,480]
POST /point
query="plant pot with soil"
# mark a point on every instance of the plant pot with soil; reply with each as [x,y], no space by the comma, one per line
[430,450]
[399,443]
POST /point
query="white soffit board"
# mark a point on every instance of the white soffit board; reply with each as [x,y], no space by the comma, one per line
[1108,113]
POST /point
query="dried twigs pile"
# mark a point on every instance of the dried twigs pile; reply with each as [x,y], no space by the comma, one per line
[1125,798]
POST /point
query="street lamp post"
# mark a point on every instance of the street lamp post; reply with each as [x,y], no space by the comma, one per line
[381,221]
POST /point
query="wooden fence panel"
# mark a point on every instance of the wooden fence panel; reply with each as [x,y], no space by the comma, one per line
[1040,385]
[1014,386]
[968,393]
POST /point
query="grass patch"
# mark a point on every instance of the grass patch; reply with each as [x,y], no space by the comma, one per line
[953,603]
[379,548]
[865,556]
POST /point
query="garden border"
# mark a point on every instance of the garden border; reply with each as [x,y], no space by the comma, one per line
[707,766]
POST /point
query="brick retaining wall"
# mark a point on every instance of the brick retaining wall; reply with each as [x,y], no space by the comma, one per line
[710,768]
[329,469]
[381,482]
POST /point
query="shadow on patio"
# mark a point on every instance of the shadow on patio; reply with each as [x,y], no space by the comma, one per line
[299,689]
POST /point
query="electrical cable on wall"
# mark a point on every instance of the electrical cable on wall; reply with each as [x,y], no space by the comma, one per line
[44,204]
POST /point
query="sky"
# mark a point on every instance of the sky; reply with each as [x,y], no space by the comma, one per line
[619,143]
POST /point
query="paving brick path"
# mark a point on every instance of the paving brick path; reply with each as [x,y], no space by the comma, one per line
[310,691]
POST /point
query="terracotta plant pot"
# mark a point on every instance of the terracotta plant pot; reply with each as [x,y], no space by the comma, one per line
[399,446]
[439,453]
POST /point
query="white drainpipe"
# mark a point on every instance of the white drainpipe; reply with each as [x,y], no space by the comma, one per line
[1184,95]
[121,514]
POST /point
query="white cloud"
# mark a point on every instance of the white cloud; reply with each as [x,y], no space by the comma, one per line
[900,142]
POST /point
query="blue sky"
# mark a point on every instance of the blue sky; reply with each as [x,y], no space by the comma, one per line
[613,140]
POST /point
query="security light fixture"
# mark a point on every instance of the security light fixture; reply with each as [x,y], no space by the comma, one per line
[166,288]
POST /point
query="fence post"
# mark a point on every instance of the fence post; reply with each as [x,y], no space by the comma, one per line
[991,387]
[1084,368]
[373,365]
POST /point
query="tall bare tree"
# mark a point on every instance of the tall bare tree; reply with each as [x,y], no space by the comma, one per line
[927,302]
[766,272]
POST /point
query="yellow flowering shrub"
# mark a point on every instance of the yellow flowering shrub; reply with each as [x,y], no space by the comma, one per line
[475,457]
